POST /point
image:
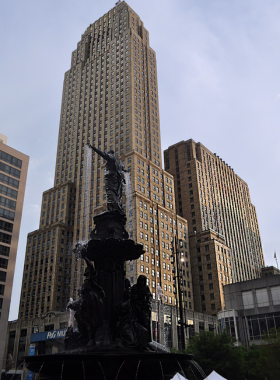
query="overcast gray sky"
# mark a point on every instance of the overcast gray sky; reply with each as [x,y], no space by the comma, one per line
[218,67]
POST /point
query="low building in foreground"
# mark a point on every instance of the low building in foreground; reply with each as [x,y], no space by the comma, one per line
[252,309]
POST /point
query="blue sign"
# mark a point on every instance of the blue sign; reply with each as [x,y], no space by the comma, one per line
[49,335]
[31,353]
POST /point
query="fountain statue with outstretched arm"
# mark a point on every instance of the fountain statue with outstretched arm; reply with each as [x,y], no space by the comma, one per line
[114,179]
[113,341]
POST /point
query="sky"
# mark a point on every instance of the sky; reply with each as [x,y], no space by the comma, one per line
[218,68]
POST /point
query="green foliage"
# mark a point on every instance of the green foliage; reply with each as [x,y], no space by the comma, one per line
[252,364]
[219,353]
[269,360]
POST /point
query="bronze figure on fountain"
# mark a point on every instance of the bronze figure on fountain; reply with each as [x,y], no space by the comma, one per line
[88,308]
[133,314]
[114,179]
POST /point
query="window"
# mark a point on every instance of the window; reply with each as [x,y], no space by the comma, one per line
[262,297]
[9,170]
[9,192]
[5,238]
[10,159]
[7,203]
[9,181]
[6,226]
[49,327]
[3,263]
[3,276]
[247,298]
[275,294]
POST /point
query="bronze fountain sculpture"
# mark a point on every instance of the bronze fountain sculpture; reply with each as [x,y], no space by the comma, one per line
[113,341]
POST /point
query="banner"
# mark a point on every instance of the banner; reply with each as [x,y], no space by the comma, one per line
[31,353]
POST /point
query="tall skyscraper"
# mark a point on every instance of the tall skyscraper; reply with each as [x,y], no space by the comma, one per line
[216,202]
[13,172]
[110,99]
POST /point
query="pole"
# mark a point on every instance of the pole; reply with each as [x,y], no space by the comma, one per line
[276,258]
[180,298]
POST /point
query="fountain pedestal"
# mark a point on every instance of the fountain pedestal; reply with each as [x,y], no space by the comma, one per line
[109,248]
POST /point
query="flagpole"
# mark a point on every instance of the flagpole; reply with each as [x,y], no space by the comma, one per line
[276,259]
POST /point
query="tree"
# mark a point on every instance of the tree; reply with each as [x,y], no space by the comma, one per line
[269,361]
[218,352]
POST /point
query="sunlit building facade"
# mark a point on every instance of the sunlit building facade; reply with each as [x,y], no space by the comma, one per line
[13,174]
[216,202]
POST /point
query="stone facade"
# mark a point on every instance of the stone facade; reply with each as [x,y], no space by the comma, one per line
[213,198]
[211,268]
[13,174]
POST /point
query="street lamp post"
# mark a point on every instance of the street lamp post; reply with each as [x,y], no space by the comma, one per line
[178,277]
[159,296]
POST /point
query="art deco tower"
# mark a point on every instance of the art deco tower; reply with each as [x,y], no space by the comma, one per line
[225,244]
[110,99]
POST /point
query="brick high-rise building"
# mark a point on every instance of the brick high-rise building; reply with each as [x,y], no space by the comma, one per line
[110,99]
[216,202]
[13,173]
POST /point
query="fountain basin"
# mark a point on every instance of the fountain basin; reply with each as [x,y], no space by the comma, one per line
[109,365]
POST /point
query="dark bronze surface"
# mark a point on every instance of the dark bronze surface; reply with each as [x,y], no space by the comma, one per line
[119,365]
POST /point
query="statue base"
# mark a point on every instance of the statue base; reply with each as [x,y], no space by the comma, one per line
[109,224]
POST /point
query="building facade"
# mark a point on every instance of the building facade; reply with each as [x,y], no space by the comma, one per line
[213,198]
[13,173]
[211,268]
[110,99]
[269,271]
[252,309]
